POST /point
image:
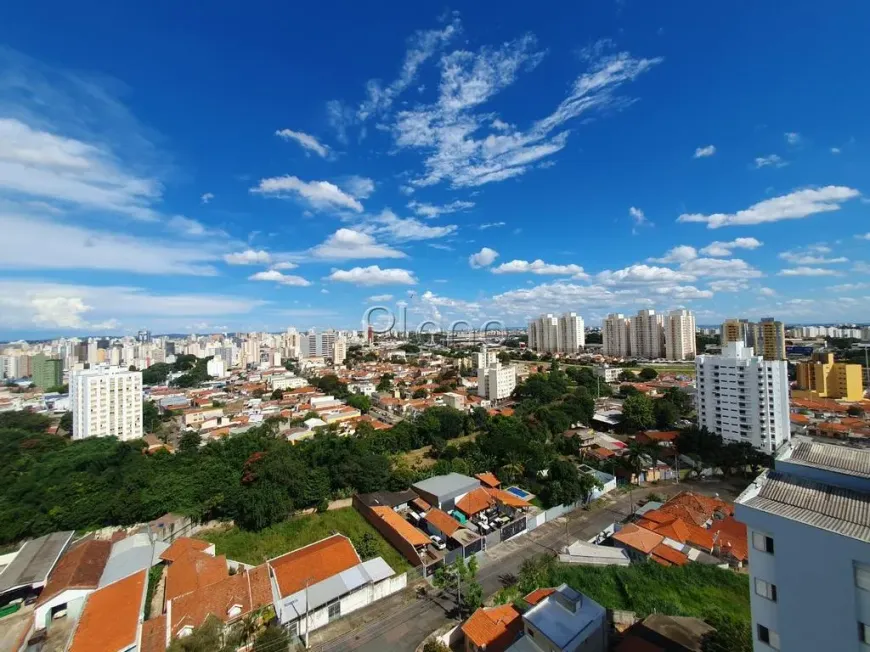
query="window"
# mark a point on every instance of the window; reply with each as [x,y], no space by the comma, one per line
[864,633]
[293,629]
[862,576]
[762,542]
[768,636]
[765,589]
[334,611]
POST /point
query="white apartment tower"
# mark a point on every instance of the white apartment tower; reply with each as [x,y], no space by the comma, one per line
[647,333]
[615,336]
[106,402]
[742,397]
[494,382]
[339,350]
[551,334]
[680,335]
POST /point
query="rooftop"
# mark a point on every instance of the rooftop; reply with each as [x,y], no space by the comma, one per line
[313,563]
[444,485]
[559,622]
[442,521]
[387,498]
[638,538]
[80,568]
[407,531]
[829,457]
[110,619]
[182,546]
[34,561]
[493,627]
[192,571]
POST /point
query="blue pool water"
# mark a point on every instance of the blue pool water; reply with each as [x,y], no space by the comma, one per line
[516,491]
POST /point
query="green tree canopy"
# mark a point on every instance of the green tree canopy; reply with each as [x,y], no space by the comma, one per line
[648,373]
[637,413]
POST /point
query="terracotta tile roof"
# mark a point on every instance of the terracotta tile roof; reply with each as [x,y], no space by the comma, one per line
[261,586]
[154,635]
[507,498]
[110,619]
[475,502]
[599,452]
[669,435]
[193,571]
[730,536]
[677,529]
[696,508]
[421,504]
[638,538]
[182,546]
[442,521]
[494,628]
[313,563]
[799,418]
[79,568]
[667,556]
[488,479]
[407,531]
[537,595]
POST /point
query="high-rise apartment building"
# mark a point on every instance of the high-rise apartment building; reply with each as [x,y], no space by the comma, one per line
[494,381]
[339,350]
[647,334]
[742,397]
[821,377]
[47,372]
[106,402]
[680,335]
[808,527]
[766,337]
[551,334]
[615,336]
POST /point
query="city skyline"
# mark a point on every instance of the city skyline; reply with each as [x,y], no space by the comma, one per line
[274,177]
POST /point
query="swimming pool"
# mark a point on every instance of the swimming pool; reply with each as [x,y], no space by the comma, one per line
[516,491]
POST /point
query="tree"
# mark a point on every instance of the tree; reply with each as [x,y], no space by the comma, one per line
[460,578]
[636,458]
[648,373]
[855,411]
[666,414]
[66,423]
[277,394]
[420,393]
[366,546]
[434,645]
[681,400]
[637,413]
[627,376]
[257,393]
[360,401]
[272,639]
[150,416]
[58,389]
[190,442]
[385,384]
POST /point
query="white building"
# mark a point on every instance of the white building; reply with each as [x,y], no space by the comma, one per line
[339,350]
[808,528]
[216,367]
[680,335]
[286,381]
[607,373]
[743,397]
[551,334]
[106,402]
[494,381]
[647,331]
[615,334]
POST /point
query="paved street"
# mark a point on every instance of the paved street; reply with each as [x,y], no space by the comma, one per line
[401,622]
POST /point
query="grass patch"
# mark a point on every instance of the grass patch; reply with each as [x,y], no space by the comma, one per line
[257,547]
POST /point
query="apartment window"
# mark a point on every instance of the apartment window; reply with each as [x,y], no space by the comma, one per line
[762,542]
[862,576]
[765,589]
[768,636]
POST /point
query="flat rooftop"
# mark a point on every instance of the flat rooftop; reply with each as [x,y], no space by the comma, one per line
[829,457]
[34,561]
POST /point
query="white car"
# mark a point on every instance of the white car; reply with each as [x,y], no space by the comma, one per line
[437,542]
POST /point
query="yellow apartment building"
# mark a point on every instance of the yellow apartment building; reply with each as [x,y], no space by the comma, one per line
[821,377]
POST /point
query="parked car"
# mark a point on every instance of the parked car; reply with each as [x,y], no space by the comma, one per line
[437,542]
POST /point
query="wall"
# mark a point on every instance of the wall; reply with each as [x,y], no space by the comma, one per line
[387,532]
[73,598]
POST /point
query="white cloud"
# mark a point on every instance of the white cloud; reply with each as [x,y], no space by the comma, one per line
[792,137]
[728,286]
[774,160]
[491,225]
[683,292]
[865,236]
[349,244]
[538,267]
[441,247]
[64,246]
[835,150]
[679,254]
[285,265]
[638,216]
[206,197]
[431,210]
[733,268]
[248,257]
[307,141]
[359,187]
[192,228]
[393,227]
[767,292]
[380,298]
[812,255]
[849,287]
[808,271]
[483,258]
[721,249]
[643,274]
[703,152]
[795,205]
[321,195]
[277,277]
[373,275]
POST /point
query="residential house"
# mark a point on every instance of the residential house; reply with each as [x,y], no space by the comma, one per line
[492,629]
[561,621]
[662,633]
[443,491]
[32,565]
[112,617]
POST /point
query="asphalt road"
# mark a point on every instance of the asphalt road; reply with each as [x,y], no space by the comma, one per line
[404,626]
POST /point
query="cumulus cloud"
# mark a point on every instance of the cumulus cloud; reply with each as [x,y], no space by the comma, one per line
[683,292]
[380,298]
[319,195]
[728,286]
[808,271]
[349,244]
[703,152]
[643,274]
[812,255]
[307,141]
[483,258]
[722,249]
[433,210]
[373,275]
[206,197]
[863,236]
[277,277]
[285,265]
[774,160]
[767,292]
[638,216]
[795,205]
[679,254]
[538,267]
[792,137]
[359,187]
[393,227]
[248,257]
[733,268]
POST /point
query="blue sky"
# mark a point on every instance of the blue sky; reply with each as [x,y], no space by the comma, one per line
[253,166]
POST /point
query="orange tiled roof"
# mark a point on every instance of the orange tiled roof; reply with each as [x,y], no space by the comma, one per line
[488,479]
[537,595]
[313,563]
[667,556]
[696,508]
[182,546]
[407,531]
[494,628]
[475,502]
[79,568]
[638,538]
[799,418]
[669,435]
[507,498]
[193,571]
[677,529]
[443,521]
[730,536]
[154,635]
[421,504]
[110,619]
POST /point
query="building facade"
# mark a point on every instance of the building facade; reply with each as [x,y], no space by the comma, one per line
[47,372]
[822,377]
[615,336]
[766,337]
[494,381]
[106,402]
[808,528]
[551,334]
[647,333]
[742,397]
[680,335]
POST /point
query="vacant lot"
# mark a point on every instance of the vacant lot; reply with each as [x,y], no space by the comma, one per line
[257,547]
[419,457]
